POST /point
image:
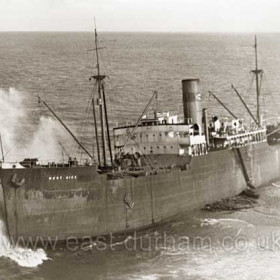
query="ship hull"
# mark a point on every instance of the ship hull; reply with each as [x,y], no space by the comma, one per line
[61,203]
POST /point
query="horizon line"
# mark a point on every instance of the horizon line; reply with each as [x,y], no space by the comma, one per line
[145,31]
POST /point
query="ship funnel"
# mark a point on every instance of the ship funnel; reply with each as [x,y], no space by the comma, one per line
[191,102]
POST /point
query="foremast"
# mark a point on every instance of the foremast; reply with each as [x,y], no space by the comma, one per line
[101,102]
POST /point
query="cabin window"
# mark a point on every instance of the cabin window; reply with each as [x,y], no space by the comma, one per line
[50,178]
[164,147]
[144,148]
[171,147]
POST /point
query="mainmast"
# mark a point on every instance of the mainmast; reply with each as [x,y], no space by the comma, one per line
[257,72]
[102,107]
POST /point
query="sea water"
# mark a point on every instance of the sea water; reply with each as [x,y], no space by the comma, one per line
[197,245]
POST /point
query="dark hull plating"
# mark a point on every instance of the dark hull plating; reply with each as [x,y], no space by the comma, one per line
[87,204]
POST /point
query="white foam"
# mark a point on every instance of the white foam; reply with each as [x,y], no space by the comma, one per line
[275,185]
[22,256]
[209,222]
[224,222]
[27,257]
[149,277]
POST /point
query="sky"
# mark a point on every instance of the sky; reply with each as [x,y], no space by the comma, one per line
[141,15]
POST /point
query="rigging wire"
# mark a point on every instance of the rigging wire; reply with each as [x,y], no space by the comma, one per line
[272,97]
[84,129]
[81,131]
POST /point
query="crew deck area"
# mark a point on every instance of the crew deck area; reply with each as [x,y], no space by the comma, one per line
[240,139]
[35,163]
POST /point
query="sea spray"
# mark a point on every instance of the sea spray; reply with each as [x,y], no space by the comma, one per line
[44,142]
[11,113]
[22,256]
[27,134]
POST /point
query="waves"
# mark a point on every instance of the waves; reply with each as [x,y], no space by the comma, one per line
[22,256]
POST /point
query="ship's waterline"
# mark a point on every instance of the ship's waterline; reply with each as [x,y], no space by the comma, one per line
[91,205]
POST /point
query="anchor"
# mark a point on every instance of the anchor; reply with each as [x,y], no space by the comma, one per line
[17,182]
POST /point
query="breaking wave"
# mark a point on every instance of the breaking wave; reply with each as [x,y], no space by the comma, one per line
[22,256]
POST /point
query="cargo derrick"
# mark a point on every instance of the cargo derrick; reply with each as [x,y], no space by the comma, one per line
[163,141]
[172,166]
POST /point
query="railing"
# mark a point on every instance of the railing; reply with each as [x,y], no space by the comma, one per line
[45,163]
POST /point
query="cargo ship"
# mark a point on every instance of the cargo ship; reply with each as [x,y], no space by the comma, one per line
[158,167]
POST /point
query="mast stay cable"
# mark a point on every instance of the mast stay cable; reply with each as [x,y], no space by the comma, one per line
[64,125]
